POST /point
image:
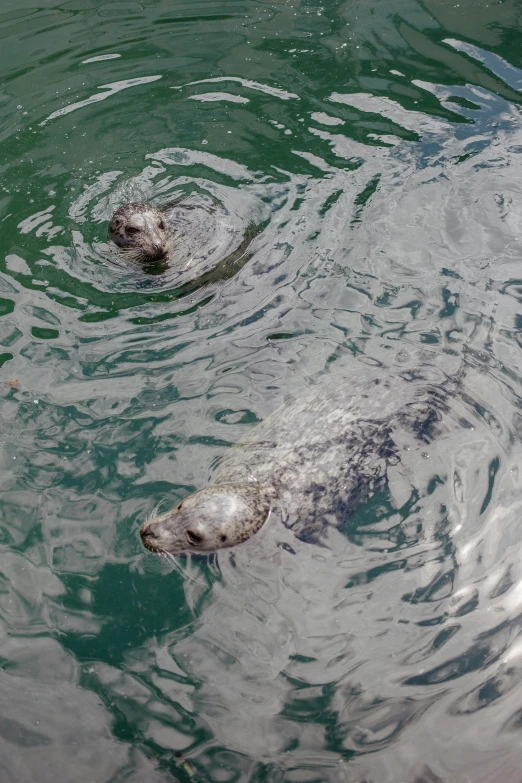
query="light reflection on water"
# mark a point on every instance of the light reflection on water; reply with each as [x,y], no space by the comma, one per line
[377,150]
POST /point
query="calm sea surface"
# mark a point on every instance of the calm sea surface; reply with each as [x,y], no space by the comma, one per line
[376,146]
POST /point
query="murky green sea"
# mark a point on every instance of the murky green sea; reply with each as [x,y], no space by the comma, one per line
[376,147]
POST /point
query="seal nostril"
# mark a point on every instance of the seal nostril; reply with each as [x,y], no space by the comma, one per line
[149,533]
[158,251]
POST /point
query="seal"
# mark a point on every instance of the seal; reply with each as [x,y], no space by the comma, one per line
[140,231]
[315,461]
[196,238]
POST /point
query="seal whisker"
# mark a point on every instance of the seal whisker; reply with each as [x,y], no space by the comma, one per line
[153,513]
[133,255]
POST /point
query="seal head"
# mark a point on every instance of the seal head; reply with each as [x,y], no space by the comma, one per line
[140,231]
[216,517]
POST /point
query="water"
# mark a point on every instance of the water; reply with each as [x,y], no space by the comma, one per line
[376,148]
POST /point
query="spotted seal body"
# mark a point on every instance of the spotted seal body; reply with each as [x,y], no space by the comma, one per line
[314,461]
[195,238]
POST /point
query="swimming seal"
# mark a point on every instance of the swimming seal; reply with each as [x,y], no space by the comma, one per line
[140,231]
[196,238]
[316,461]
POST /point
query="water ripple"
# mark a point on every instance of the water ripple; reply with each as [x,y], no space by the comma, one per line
[373,153]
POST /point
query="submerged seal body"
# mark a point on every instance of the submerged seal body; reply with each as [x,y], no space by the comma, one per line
[315,461]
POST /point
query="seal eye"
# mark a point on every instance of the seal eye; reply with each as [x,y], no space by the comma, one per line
[194,538]
[132,230]
[161,225]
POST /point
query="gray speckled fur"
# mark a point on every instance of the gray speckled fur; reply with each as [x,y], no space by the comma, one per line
[327,453]
[316,460]
[151,240]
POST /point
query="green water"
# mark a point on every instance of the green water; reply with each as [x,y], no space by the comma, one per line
[377,146]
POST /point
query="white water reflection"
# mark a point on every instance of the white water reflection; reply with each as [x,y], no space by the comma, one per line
[392,110]
[212,97]
[276,92]
[110,89]
[495,63]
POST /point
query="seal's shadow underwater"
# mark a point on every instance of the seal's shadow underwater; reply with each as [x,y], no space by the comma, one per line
[318,460]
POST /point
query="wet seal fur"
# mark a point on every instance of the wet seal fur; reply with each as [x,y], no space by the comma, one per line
[186,235]
[140,231]
[316,461]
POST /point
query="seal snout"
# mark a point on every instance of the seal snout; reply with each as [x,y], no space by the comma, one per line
[148,536]
[158,251]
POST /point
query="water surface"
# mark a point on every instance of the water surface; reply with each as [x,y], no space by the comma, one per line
[376,146]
